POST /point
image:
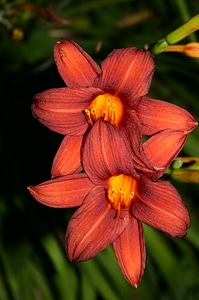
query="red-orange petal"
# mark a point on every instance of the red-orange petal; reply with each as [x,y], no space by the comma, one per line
[105,153]
[163,147]
[64,191]
[157,115]
[159,205]
[130,252]
[131,131]
[61,109]
[75,66]
[93,226]
[127,73]
[68,157]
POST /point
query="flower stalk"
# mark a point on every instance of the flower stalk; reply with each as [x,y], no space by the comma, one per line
[177,35]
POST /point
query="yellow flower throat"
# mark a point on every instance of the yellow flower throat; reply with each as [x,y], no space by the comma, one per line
[121,191]
[105,106]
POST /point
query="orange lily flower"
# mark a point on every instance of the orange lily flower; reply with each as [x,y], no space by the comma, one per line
[115,92]
[114,201]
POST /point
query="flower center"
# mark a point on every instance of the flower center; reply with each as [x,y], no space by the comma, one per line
[121,191]
[105,106]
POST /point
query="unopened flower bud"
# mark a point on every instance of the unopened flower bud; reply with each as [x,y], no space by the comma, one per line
[186,176]
[192,49]
[189,174]
[183,31]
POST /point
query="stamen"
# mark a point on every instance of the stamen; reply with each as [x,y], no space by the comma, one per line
[105,106]
[121,191]
[87,111]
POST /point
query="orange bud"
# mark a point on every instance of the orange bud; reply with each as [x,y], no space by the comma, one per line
[192,49]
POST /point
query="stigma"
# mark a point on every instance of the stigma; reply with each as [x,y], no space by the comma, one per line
[105,106]
[121,191]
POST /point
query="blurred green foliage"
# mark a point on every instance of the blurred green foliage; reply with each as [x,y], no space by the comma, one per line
[33,262]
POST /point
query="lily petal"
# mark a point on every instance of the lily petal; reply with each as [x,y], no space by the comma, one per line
[93,226]
[163,147]
[75,66]
[105,153]
[127,73]
[131,131]
[130,252]
[64,191]
[68,157]
[159,205]
[157,115]
[61,109]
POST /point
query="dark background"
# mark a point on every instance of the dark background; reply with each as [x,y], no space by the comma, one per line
[33,262]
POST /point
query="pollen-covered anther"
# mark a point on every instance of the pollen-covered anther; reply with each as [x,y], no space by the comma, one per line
[105,106]
[87,111]
[121,191]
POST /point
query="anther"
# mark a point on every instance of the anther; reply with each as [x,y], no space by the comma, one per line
[105,106]
[87,111]
[121,192]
